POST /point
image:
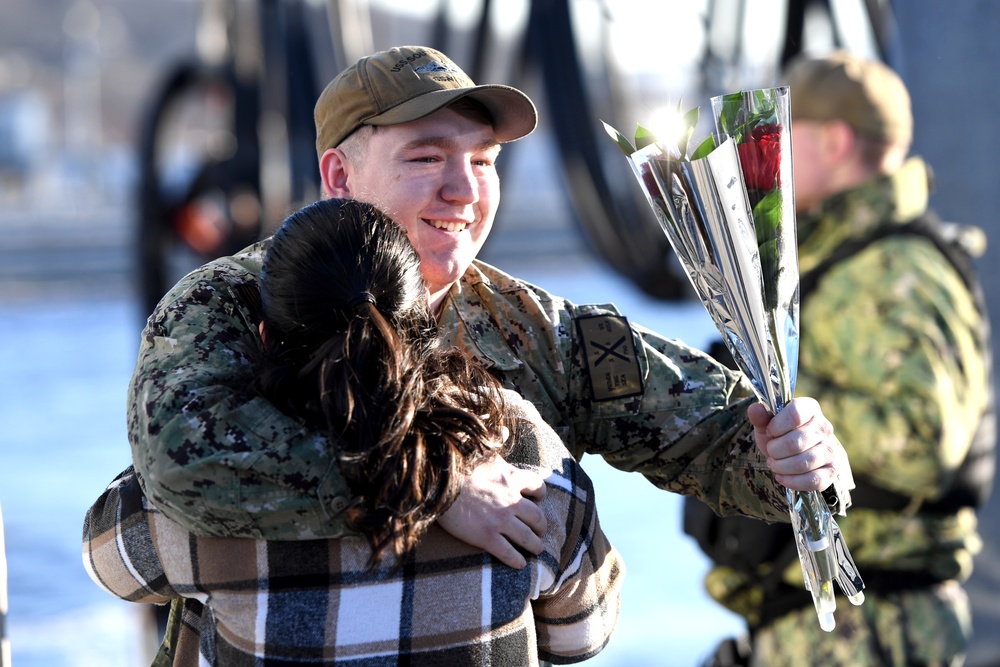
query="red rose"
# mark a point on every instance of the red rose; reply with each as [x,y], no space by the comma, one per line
[760,157]
[649,180]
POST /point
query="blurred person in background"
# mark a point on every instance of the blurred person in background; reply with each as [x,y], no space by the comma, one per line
[406,130]
[895,344]
[350,346]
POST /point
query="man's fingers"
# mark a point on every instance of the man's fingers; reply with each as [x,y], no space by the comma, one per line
[803,461]
[815,480]
[496,511]
[526,511]
[505,552]
[532,485]
[759,416]
[797,413]
[528,526]
[801,449]
[481,527]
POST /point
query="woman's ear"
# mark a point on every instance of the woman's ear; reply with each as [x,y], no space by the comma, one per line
[263,333]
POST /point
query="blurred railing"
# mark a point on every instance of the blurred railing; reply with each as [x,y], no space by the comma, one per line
[227,147]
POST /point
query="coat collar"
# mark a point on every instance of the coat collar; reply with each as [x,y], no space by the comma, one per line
[892,199]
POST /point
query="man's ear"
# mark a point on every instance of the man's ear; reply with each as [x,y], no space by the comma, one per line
[839,140]
[333,168]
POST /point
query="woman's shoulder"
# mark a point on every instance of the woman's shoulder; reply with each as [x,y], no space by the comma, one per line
[534,444]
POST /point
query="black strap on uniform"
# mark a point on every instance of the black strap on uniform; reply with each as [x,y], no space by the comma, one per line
[930,227]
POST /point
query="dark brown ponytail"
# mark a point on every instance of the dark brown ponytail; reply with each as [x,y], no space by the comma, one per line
[351,347]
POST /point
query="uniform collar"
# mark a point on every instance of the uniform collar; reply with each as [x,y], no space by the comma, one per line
[891,199]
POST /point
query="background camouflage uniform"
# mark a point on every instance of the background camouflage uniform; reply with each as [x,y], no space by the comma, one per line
[890,347]
[220,460]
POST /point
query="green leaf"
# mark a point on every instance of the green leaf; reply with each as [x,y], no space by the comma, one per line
[729,117]
[770,271]
[688,121]
[767,224]
[643,137]
[706,147]
[624,144]
[767,216]
[763,112]
[761,97]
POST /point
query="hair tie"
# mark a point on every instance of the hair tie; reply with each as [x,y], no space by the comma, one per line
[360,298]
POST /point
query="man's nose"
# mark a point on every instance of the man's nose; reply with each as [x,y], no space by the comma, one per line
[461,185]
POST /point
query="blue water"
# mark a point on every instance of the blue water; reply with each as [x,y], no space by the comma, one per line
[64,369]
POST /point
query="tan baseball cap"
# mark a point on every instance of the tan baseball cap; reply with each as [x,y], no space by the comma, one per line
[406,83]
[865,94]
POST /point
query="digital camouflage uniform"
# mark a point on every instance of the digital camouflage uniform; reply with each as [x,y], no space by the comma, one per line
[220,460]
[891,347]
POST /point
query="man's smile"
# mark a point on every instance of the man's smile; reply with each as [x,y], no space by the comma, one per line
[448,225]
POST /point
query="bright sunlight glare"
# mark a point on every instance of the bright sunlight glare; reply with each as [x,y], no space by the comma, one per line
[667,124]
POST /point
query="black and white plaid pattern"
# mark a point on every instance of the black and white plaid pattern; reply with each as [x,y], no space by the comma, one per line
[316,602]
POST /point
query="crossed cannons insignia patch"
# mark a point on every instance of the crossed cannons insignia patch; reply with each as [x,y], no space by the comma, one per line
[611,360]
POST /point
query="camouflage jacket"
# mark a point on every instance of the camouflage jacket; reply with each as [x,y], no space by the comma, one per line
[891,348]
[221,460]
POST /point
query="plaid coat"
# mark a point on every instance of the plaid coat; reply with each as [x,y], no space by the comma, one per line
[255,602]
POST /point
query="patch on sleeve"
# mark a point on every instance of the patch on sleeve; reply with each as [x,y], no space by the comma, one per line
[611,359]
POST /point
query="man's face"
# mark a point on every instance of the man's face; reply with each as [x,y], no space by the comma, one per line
[436,177]
[810,163]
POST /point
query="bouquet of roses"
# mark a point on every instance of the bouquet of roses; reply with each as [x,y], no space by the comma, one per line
[728,210]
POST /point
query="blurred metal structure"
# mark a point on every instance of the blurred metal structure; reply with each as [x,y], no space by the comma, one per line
[227,147]
[227,140]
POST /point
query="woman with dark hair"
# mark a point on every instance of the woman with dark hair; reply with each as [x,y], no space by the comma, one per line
[349,345]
